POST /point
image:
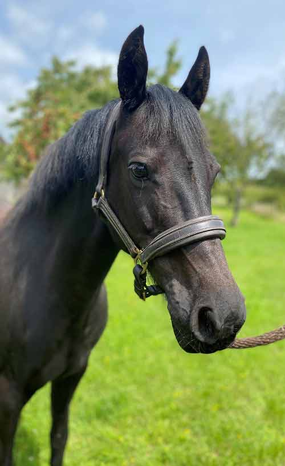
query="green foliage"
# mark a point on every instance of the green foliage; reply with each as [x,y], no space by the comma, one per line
[223,140]
[144,402]
[172,65]
[63,93]
[236,144]
[275,111]
[239,148]
[61,96]
[275,177]
[2,153]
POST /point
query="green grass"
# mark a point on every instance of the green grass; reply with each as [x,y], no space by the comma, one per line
[144,402]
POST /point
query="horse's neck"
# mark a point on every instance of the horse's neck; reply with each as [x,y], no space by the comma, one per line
[84,240]
[68,245]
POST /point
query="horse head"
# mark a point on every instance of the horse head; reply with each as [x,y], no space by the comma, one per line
[161,174]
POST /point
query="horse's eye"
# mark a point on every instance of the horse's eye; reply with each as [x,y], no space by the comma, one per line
[139,170]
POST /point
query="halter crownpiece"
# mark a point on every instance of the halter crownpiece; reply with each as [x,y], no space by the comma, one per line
[189,232]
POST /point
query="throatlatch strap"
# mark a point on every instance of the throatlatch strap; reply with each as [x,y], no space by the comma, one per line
[103,205]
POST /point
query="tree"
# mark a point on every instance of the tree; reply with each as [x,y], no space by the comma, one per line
[274,178]
[239,147]
[253,154]
[60,97]
[62,94]
[2,150]
[172,65]
[223,140]
[275,112]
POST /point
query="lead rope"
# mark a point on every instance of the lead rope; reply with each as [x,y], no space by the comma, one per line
[261,340]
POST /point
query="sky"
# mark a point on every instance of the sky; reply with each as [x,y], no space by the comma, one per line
[245,40]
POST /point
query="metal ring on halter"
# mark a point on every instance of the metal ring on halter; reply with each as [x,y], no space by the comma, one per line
[138,260]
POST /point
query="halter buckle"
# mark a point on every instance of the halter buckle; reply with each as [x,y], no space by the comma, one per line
[96,198]
[99,194]
[141,288]
[138,260]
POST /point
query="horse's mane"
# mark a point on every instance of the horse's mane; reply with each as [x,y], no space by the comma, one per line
[75,157]
[72,159]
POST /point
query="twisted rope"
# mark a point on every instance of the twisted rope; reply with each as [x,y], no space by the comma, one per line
[261,340]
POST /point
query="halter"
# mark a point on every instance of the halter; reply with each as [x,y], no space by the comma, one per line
[189,232]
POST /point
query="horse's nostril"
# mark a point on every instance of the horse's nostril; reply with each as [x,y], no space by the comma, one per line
[206,324]
[207,327]
[211,326]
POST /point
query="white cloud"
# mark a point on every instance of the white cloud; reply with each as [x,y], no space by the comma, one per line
[92,55]
[4,115]
[28,27]
[12,89]
[249,83]
[97,21]
[11,54]
[87,23]
[239,76]
[5,118]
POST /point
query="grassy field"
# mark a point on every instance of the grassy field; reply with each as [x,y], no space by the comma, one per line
[144,402]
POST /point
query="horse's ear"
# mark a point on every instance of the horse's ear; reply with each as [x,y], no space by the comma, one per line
[132,70]
[197,82]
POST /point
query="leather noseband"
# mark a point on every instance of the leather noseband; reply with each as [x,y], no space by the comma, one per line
[189,232]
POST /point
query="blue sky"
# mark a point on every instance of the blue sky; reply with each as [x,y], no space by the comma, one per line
[245,40]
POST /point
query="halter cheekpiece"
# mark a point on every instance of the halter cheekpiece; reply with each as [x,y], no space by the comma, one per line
[191,231]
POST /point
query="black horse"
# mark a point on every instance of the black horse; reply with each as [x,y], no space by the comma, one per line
[55,253]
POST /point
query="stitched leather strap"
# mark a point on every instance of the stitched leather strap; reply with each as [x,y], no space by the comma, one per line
[201,228]
[103,205]
[106,147]
[189,232]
